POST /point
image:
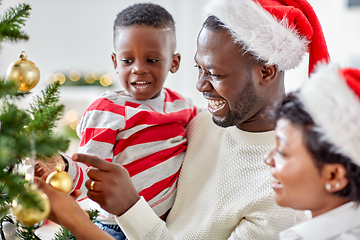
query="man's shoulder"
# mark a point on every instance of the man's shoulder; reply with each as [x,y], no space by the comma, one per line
[203,119]
[203,125]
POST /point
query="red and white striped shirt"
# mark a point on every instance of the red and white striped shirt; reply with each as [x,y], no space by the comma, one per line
[146,137]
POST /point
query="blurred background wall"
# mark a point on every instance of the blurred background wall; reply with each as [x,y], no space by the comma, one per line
[77,35]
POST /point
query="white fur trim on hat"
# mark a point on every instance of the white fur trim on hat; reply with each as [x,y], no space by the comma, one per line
[335,109]
[259,32]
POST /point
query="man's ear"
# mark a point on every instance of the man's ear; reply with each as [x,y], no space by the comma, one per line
[268,74]
[334,175]
[175,64]
[113,58]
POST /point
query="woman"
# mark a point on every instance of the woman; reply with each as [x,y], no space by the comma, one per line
[316,159]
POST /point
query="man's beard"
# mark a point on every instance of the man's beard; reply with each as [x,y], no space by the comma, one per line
[243,104]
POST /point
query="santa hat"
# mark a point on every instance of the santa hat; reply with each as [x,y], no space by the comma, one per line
[277,31]
[332,98]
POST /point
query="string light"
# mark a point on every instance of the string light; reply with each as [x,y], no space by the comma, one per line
[74,75]
[89,78]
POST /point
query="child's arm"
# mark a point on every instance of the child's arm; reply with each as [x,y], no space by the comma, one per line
[97,130]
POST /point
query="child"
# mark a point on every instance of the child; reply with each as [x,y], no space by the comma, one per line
[143,126]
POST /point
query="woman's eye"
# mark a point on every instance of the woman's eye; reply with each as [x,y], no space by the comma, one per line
[280,153]
[126,61]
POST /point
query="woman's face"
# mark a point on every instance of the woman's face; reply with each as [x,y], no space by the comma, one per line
[297,183]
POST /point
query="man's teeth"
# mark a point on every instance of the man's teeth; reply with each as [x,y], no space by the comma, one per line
[216,104]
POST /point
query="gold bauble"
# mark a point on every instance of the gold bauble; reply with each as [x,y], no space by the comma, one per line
[31,216]
[24,72]
[60,180]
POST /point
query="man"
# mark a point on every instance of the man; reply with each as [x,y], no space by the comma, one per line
[224,186]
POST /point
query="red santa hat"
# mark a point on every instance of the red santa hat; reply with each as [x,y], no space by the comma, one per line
[332,98]
[277,31]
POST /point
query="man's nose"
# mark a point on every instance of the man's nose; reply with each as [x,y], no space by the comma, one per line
[203,84]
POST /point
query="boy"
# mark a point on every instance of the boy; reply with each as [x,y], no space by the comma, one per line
[143,126]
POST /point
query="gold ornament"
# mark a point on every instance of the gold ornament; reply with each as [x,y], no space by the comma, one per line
[31,216]
[60,180]
[24,72]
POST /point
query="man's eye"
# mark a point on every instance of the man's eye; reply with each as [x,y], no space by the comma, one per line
[214,75]
[126,61]
[198,67]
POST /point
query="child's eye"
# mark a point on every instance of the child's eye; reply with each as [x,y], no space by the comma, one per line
[152,60]
[126,61]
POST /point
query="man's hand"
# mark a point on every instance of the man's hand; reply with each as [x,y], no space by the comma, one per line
[109,184]
[44,167]
[67,212]
[62,205]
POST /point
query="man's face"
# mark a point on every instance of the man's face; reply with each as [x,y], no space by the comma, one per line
[225,78]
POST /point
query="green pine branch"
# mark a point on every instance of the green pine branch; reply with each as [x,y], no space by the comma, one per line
[12,21]
[28,234]
[23,133]
[9,89]
[45,111]
[46,147]
[64,234]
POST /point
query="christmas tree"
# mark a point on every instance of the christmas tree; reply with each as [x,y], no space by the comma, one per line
[24,134]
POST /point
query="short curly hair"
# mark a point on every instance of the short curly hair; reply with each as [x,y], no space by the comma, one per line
[323,152]
[147,14]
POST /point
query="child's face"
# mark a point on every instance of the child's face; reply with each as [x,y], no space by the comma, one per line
[144,56]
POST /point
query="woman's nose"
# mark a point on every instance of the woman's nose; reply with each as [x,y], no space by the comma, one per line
[269,158]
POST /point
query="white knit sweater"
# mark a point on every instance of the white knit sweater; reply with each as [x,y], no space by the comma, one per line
[223,190]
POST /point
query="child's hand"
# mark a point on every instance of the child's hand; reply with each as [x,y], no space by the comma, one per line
[109,184]
[44,167]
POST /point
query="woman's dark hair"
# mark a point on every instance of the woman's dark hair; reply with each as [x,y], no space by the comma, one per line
[291,108]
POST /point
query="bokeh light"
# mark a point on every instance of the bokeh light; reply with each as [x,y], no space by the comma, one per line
[71,118]
[74,75]
[97,73]
[88,78]
[105,80]
[59,77]
[49,78]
